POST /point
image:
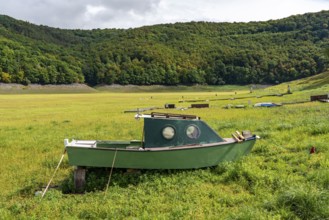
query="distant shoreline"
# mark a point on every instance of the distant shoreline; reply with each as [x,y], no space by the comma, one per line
[13,88]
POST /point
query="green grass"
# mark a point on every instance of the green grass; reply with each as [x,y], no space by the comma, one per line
[278,180]
[318,82]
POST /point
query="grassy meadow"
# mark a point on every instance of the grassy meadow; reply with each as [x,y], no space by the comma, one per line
[278,180]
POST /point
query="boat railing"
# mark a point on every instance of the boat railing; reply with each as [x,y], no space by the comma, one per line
[166,115]
[171,115]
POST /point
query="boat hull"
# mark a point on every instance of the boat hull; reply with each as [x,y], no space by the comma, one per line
[186,157]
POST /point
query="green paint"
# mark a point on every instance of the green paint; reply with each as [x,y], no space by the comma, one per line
[153,128]
[169,158]
[169,143]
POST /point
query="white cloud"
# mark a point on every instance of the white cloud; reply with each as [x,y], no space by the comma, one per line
[134,13]
[94,10]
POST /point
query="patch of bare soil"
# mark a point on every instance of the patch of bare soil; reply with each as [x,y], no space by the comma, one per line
[37,88]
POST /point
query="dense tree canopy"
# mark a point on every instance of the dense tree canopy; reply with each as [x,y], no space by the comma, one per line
[169,54]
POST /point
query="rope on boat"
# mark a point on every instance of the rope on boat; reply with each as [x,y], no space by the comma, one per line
[108,182]
[59,163]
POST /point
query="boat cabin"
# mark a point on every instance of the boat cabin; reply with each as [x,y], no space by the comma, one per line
[170,130]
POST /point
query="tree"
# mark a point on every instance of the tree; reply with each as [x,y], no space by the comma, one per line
[5,77]
[326,52]
[170,54]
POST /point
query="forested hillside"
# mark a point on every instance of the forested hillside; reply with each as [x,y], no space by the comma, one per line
[168,54]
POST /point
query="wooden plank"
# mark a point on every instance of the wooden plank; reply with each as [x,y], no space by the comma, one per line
[200,105]
[79,179]
[169,105]
[319,97]
[171,115]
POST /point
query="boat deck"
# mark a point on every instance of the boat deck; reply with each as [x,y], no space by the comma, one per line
[104,144]
[136,144]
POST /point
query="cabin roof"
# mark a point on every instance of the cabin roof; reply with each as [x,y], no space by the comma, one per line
[167,115]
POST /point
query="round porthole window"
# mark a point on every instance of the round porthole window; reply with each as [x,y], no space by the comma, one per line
[193,132]
[168,132]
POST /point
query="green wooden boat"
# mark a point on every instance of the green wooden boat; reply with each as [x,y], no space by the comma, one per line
[170,141]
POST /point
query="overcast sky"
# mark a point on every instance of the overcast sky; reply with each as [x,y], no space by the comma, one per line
[90,14]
